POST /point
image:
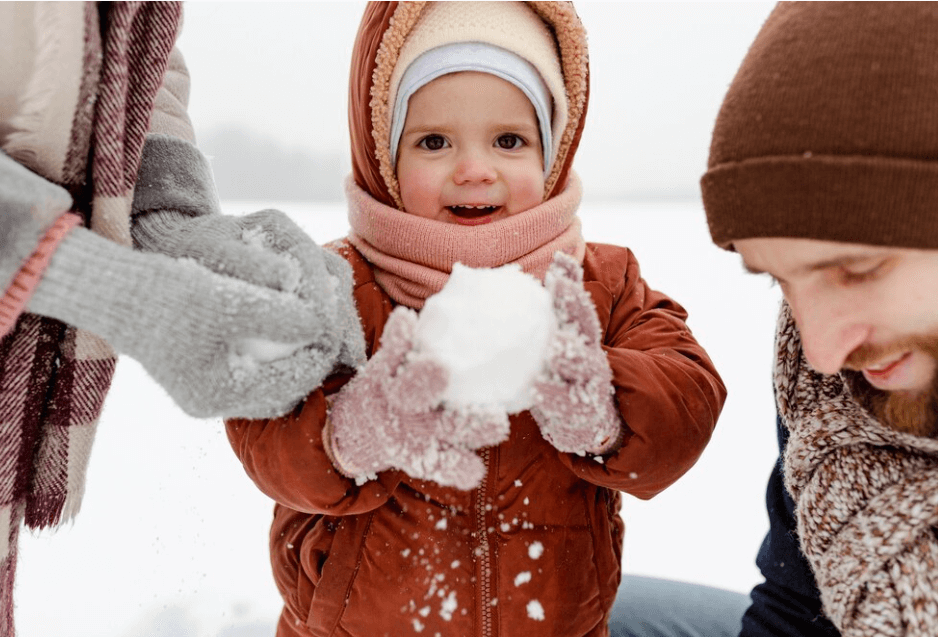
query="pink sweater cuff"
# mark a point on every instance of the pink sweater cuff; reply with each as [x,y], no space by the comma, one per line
[24,283]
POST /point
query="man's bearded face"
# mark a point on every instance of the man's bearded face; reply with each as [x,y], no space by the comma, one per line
[914,412]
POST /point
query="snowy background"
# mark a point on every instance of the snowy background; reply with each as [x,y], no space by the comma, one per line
[171,540]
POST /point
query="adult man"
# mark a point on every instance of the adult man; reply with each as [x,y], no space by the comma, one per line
[823,174]
[233,316]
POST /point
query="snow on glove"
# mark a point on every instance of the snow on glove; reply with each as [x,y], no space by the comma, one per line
[390,415]
[181,321]
[176,213]
[574,404]
[267,249]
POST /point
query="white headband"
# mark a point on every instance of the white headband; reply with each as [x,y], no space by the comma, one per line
[481,57]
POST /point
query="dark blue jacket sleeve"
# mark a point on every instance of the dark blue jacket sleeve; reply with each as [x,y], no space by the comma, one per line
[788,603]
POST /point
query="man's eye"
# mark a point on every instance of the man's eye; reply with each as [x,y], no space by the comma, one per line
[509,141]
[432,142]
[860,273]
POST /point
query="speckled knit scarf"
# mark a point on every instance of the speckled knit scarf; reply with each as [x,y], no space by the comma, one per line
[413,256]
[866,501]
[53,378]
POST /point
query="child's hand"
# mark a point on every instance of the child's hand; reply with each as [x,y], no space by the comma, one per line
[391,416]
[573,402]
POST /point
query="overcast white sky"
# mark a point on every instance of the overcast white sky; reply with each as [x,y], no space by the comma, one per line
[659,73]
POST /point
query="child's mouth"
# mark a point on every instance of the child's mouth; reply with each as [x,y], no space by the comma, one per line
[472,215]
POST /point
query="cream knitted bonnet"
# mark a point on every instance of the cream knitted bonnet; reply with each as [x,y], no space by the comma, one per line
[509,26]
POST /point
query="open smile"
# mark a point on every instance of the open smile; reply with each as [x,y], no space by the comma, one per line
[473,215]
[888,372]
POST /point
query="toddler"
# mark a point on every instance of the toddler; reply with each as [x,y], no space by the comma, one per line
[397,514]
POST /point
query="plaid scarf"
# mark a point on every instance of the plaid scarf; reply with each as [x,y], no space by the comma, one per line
[53,378]
[866,501]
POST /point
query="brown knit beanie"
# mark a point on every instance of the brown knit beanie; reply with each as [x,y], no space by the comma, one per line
[830,128]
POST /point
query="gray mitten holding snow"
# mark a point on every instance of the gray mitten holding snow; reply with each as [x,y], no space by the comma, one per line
[181,321]
[176,213]
[574,403]
[391,415]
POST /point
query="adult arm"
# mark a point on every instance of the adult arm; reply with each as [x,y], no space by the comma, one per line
[191,303]
[176,212]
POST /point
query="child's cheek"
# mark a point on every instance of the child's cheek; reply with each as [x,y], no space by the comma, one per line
[418,198]
[529,193]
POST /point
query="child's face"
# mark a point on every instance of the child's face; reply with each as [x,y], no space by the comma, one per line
[470,152]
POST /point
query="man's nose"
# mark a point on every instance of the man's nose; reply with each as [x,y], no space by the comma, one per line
[473,167]
[831,329]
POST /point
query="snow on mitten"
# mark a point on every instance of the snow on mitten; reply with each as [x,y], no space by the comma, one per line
[574,404]
[390,415]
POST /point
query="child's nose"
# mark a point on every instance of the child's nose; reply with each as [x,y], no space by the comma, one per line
[473,167]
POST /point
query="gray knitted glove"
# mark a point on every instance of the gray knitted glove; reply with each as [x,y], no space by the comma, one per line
[182,323]
[269,250]
[176,213]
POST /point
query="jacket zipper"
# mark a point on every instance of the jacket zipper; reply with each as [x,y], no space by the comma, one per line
[484,549]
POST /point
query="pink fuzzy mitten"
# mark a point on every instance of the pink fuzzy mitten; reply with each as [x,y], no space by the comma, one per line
[574,404]
[390,415]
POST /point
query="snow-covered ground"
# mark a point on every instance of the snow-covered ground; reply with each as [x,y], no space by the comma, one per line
[172,537]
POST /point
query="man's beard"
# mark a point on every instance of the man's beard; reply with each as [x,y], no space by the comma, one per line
[914,412]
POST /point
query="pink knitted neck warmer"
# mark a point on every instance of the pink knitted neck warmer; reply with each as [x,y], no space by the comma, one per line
[413,256]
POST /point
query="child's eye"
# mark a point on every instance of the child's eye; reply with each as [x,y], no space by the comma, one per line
[509,141]
[432,142]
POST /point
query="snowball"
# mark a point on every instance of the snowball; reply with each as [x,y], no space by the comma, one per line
[490,329]
[535,610]
[522,578]
[535,550]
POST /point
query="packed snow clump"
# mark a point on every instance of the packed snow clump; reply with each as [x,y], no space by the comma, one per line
[489,327]
[258,350]
[535,610]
